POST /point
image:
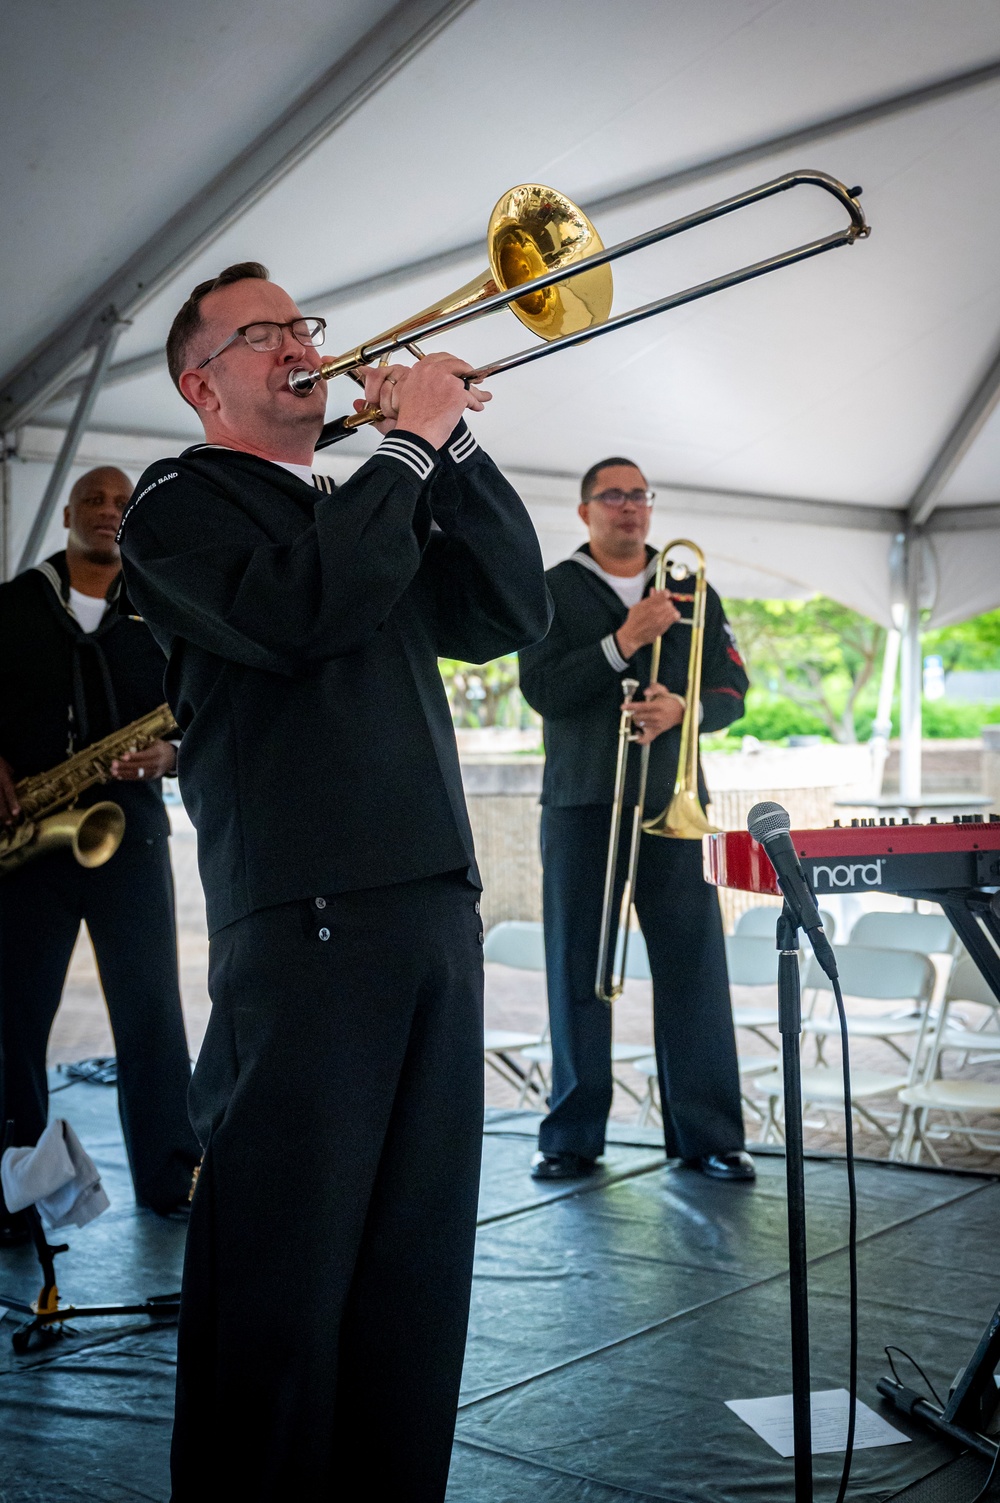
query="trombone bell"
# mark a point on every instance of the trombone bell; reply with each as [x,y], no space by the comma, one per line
[682,819]
[533,230]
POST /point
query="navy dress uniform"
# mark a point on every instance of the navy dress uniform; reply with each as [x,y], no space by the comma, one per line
[573,679]
[62,688]
[339,1089]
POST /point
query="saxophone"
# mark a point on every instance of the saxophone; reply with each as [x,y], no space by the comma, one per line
[48,820]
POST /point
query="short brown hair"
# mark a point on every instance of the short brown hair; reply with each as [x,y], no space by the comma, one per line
[188,321]
[588,481]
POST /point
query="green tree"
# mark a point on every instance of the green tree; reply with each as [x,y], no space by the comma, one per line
[485,694]
[973,644]
[817,653]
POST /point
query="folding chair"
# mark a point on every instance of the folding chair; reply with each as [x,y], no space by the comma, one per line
[539,1053]
[518,944]
[927,933]
[957,1099]
[750,1065]
[870,974]
[760,922]
[752,960]
[873,973]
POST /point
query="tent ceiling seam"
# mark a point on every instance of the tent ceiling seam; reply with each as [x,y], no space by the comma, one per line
[960,438]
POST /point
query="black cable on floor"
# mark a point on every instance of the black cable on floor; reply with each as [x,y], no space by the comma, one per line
[852,1243]
[987,1485]
[914,1363]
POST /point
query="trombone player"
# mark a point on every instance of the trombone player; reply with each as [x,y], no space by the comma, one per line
[607,616]
[338,1094]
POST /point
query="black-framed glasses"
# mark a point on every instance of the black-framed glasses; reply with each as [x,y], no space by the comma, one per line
[618,498]
[265,336]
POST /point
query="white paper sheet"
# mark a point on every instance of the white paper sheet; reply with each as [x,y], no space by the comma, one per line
[772,1420]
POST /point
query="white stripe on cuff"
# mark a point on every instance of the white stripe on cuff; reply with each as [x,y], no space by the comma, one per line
[609,647]
[406,453]
[464,445]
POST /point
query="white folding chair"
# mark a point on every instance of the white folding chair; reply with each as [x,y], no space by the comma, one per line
[927,933]
[752,960]
[539,1054]
[869,974]
[957,1099]
[873,973]
[760,923]
[750,1065]
[518,944]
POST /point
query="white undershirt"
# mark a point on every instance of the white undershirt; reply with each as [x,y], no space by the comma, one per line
[628,587]
[88,609]
[303,471]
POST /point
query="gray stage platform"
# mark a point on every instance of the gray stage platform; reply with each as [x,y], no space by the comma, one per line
[610,1323]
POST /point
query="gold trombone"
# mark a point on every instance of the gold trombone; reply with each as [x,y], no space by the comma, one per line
[550,267]
[683,818]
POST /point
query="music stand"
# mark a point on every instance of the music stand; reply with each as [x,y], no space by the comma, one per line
[48,1317]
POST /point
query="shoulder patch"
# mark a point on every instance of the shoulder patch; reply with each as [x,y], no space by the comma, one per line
[130,508]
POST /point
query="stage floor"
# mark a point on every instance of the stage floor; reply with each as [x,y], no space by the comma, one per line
[610,1323]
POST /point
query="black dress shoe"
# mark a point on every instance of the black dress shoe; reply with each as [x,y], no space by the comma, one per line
[561,1166]
[738,1165]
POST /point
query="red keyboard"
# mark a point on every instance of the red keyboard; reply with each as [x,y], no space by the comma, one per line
[867,856]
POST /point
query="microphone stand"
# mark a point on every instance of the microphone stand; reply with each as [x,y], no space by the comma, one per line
[790,1028]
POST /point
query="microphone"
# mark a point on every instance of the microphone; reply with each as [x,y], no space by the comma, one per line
[769,824]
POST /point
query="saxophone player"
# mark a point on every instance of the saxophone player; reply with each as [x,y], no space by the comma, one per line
[73,669]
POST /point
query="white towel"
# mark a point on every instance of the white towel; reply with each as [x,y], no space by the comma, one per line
[57,1176]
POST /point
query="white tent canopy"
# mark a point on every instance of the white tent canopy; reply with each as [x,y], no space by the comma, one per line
[797,426]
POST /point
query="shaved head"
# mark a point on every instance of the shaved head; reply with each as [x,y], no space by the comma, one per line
[93,515]
[105,474]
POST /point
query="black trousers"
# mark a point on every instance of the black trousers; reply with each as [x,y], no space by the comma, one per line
[339,1095]
[128,907]
[692,1016]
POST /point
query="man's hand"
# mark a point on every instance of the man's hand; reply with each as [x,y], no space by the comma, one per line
[9,806]
[647,620]
[657,712]
[427,398]
[155,761]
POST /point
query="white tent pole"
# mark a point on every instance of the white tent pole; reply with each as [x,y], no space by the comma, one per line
[67,453]
[882,724]
[911,680]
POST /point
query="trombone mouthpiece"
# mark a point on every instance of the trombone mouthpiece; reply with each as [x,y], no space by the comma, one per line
[302,380]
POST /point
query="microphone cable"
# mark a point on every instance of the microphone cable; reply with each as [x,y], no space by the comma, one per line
[852,1243]
[769,824]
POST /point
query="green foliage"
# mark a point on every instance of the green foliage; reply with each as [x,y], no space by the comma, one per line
[773,717]
[486,694]
[814,667]
[971,645]
[816,654]
[941,719]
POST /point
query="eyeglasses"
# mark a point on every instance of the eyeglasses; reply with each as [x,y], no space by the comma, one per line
[618,498]
[268,336]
